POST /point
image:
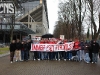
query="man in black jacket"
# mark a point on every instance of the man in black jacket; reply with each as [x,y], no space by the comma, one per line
[95,50]
[12,50]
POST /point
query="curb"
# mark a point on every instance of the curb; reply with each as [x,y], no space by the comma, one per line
[2,55]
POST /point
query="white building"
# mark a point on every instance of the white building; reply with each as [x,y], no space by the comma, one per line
[35,16]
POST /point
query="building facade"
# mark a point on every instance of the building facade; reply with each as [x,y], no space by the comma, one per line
[31,19]
[35,17]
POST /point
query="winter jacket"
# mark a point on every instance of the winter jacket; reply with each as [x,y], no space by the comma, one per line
[18,46]
[86,48]
[22,46]
[76,45]
[12,47]
[95,47]
[82,45]
[28,45]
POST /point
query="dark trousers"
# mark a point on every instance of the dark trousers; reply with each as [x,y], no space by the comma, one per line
[50,55]
[35,55]
[62,54]
[11,55]
[90,55]
[26,54]
[39,55]
[65,55]
[56,55]
[22,54]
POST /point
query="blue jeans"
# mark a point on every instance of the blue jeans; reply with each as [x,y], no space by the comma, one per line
[94,57]
[69,55]
[22,54]
[78,54]
[87,58]
[45,55]
[42,55]
[81,55]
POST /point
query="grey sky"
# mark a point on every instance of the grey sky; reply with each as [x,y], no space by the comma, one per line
[52,13]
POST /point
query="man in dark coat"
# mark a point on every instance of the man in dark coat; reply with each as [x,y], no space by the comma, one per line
[12,50]
[29,47]
[90,50]
[95,50]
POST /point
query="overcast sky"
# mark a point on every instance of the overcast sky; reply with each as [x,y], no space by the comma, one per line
[52,6]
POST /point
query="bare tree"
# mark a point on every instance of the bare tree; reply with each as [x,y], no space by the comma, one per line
[72,13]
[94,9]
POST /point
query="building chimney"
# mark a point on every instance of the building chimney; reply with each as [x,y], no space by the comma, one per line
[40,1]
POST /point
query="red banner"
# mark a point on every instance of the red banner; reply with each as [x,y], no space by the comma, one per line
[52,47]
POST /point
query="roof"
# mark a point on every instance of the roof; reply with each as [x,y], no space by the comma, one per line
[19,27]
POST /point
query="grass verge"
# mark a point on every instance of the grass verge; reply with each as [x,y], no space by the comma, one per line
[4,50]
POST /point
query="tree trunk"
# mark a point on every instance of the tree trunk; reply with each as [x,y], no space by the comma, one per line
[79,23]
[11,36]
[12,28]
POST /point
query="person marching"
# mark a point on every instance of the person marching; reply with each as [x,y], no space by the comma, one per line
[12,50]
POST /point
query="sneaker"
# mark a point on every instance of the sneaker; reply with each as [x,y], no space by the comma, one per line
[95,62]
[38,59]
[11,62]
[55,59]
[64,59]
[59,59]
[92,62]
[22,60]
[87,62]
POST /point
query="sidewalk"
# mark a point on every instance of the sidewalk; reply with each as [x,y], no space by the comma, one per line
[2,55]
[48,67]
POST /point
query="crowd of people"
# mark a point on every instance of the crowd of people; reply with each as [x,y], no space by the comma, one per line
[82,51]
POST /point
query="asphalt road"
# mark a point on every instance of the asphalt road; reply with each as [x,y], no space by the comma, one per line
[48,67]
